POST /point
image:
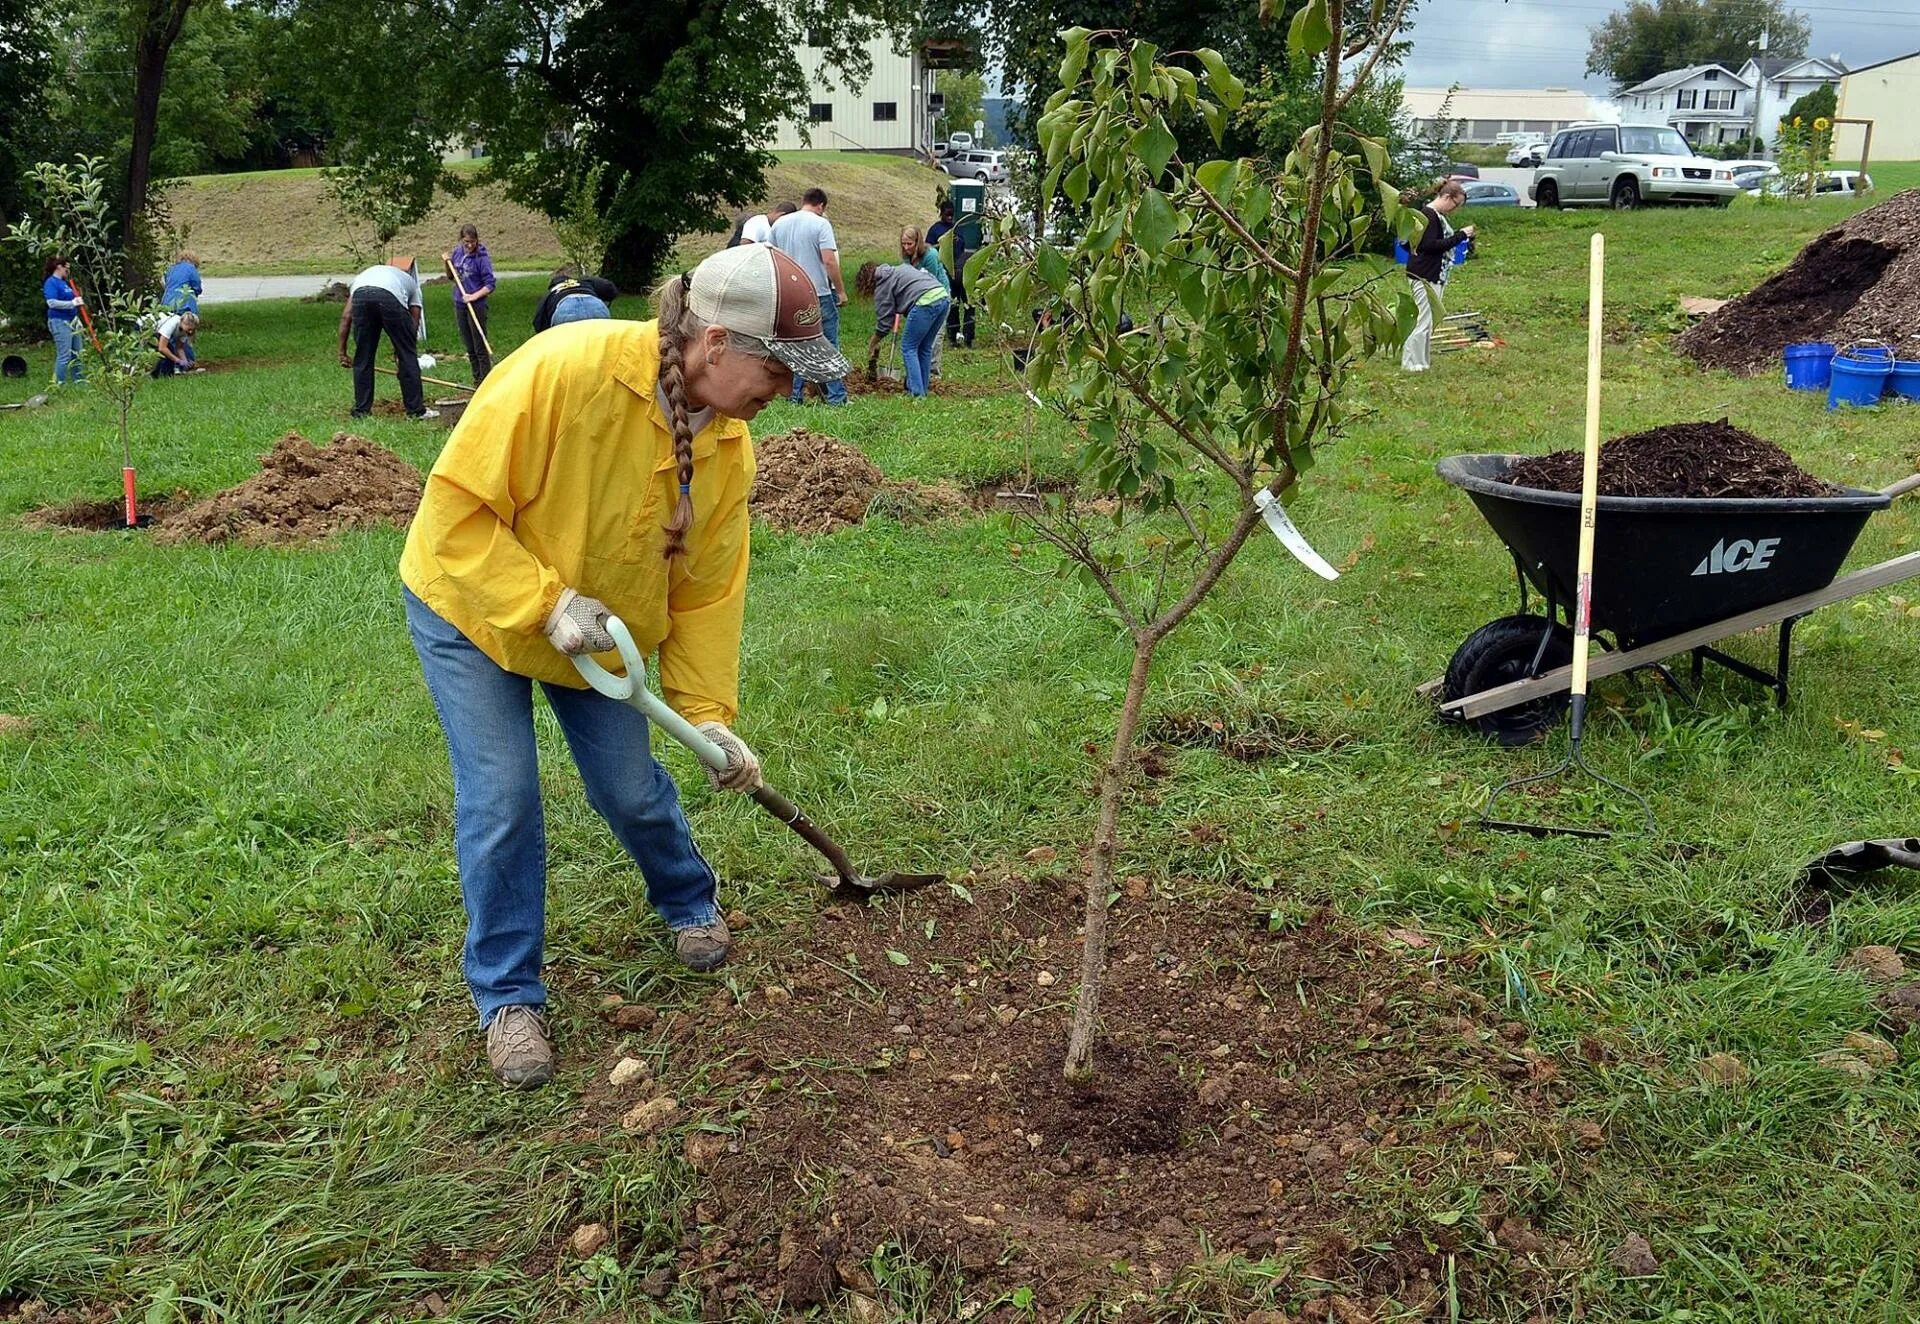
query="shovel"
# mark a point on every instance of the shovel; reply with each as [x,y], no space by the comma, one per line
[632,689]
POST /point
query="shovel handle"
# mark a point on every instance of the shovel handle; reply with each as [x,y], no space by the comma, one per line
[632,689]
[1901,488]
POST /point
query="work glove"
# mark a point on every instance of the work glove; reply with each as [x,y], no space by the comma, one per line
[578,624]
[743,765]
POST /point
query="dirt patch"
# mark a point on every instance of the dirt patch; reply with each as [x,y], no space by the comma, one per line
[334,291]
[303,493]
[1858,280]
[1244,736]
[106,515]
[890,1077]
[808,482]
[858,383]
[1679,460]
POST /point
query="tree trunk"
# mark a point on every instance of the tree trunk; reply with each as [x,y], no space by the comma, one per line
[159,27]
[1113,784]
[635,257]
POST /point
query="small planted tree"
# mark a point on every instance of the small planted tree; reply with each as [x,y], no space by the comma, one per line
[1248,305]
[582,223]
[380,198]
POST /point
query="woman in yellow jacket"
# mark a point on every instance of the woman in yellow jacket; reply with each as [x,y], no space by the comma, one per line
[602,469]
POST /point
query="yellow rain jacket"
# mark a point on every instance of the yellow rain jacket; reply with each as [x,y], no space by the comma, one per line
[561,475]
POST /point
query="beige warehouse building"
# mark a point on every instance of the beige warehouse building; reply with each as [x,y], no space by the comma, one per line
[1886,93]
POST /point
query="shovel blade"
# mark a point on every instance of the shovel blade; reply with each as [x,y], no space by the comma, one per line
[886,882]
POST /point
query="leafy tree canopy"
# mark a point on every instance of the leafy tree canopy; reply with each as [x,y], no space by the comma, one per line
[1651,37]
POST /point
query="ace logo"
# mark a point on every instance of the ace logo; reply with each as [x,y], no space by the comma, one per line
[1730,558]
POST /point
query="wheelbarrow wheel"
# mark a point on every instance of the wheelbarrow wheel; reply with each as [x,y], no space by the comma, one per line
[1498,653]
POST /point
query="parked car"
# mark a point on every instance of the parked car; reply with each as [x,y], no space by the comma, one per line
[1492,195]
[1749,175]
[941,150]
[987,167]
[1463,170]
[1625,165]
[1527,154]
[960,142]
[1827,183]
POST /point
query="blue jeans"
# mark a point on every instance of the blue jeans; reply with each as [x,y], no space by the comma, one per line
[917,339]
[830,325]
[580,308]
[66,348]
[499,833]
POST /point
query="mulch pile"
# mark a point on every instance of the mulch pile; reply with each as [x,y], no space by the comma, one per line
[1679,460]
[303,493]
[808,482]
[1256,1088]
[1858,280]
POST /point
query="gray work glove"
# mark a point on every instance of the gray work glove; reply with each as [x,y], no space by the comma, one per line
[578,624]
[743,765]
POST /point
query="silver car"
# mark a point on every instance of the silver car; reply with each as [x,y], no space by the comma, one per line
[987,167]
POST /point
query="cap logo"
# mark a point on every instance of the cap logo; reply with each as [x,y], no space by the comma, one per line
[806,316]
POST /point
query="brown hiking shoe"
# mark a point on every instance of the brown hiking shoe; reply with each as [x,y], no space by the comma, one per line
[518,1048]
[703,947]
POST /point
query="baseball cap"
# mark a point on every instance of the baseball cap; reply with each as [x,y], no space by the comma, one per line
[759,291]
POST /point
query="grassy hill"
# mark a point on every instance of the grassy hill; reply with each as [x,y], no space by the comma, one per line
[280,221]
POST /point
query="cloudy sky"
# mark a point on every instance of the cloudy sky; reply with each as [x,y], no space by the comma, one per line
[1543,43]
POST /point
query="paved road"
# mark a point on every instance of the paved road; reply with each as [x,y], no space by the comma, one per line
[1517,179]
[241,289]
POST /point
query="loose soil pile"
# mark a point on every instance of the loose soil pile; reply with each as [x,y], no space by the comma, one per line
[1256,1091]
[808,482]
[1679,460]
[1859,280]
[303,493]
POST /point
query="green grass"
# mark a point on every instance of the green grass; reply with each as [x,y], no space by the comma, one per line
[240,1073]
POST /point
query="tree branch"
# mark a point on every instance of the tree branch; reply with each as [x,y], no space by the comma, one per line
[1366,70]
[1082,554]
[1240,231]
[1203,445]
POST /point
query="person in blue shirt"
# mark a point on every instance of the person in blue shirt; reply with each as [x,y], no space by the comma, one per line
[183,287]
[925,256]
[63,310]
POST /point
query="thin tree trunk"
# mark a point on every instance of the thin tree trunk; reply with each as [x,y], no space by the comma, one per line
[1113,784]
[160,24]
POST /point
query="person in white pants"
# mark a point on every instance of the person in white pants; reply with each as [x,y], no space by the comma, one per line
[1427,264]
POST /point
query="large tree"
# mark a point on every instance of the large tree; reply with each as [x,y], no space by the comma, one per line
[1650,37]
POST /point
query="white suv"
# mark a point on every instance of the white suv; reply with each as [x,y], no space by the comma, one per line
[1625,165]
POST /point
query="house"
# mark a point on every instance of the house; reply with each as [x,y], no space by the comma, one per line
[1779,81]
[1482,115]
[1885,93]
[891,111]
[1708,103]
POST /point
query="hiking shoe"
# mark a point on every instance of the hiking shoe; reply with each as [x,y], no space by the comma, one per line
[703,947]
[518,1048]
[428,413]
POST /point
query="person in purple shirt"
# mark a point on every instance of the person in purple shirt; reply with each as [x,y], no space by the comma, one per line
[63,306]
[475,269]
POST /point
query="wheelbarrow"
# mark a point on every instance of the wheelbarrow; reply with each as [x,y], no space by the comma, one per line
[1681,574]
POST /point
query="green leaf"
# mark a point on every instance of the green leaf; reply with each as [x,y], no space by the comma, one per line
[1141,62]
[1229,90]
[901,958]
[1311,31]
[1446,1217]
[1216,119]
[1076,184]
[1076,58]
[1154,144]
[1052,265]
[1218,177]
[1154,222]
[1375,153]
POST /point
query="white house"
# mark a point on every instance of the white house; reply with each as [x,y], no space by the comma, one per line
[1482,114]
[1708,103]
[1778,82]
[889,112]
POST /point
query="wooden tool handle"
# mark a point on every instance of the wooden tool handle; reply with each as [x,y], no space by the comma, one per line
[1589,478]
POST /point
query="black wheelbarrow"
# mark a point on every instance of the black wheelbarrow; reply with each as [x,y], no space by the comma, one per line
[1673,576]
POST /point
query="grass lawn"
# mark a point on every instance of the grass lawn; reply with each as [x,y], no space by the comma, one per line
[241,1080]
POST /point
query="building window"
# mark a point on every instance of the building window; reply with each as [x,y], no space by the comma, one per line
[1686,99]
[1720,100]
[1713,75]
[886,110]
[819,113]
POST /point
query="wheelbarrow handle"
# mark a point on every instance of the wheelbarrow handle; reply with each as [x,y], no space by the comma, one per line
[632,689]
[1908,484]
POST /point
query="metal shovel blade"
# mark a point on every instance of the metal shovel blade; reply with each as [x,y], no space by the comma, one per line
[844,875]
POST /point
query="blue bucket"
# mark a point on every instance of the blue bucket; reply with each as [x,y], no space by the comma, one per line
[1461,251]
[1904,381]
[1809,365]
[1860,375]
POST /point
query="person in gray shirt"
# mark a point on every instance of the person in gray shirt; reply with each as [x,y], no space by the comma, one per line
[911,300]
[385,298]
[806,236]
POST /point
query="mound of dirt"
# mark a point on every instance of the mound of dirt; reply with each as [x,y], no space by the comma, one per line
[1255,1090]
[1859,280]
[808,482]
[303,493]
[1679,460]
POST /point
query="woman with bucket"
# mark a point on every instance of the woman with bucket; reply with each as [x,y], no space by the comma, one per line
[602,470]
[909,300]
[1427,263]
[63,308]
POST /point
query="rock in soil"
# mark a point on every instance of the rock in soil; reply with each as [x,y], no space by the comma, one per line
[1858,280]
[1723,1069]
[588,1238]
[648,1117]
[304,493]
[1679,460]
[1879,963]
[1634,1257]
[626,1071]
[1872,1049]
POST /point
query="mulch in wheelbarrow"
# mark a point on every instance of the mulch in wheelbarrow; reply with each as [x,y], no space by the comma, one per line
[1679,460]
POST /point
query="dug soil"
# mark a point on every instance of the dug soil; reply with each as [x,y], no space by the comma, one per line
[807,482]
[888,1075]
[1859,280]
[1679,460]
[303,493]
[105,515]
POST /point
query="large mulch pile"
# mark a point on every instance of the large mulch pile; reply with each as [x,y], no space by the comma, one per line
[1858,280]
[1679,460]
[889,1075]
[303,493]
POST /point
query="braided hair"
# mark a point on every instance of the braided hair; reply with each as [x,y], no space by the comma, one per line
[678,326]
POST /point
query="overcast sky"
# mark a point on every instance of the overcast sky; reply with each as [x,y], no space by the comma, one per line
[1543,43]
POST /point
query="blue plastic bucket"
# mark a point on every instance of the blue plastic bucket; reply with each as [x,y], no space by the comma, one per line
[1860,376]
[1809,365]
[1904,381]
[1461,251]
